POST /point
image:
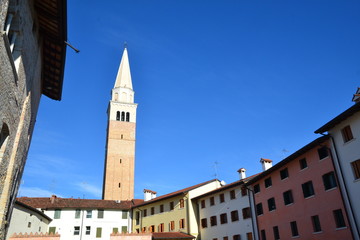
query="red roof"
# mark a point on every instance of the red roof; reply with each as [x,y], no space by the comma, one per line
[167,235]
[57,202]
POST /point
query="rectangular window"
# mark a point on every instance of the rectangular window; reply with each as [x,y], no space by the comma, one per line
[203,204]
[316,223]
[212,201]
[288,198]
[236,237]
[284,174]
[329,180]
[246,213]
[204,223]
[339,218]
[347,134]
[152,228]
[124,215]
[57,213]
[143,229]
[77,213]
[213,221]
[88,213]
[161,227]
[294,229]
[303,163]
[323,152]
[308,189]
[276,233]
[172,225]
[52,230]
[115,230]
[223,218]
[161,208]
[234,216]
[137,218]
[76,230]
[152,210]
[268,182]
[226,238]
[182,223]
[88,230]
[256,188]
[98,232]
[259,209]
[222,198]
[29,224]
[232,194]
[249,236]
[171,206]
[182,204]
[356,168]
[100,213]
[145,212]
[271,204]
[263,234]
[243,191]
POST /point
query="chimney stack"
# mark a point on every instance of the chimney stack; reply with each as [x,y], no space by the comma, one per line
[149,195]
[266,163]
[242,174]
[52,199]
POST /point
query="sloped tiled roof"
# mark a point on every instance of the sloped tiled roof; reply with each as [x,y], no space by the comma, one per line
[57,202]
[32,209]
[173,235]
[176,193]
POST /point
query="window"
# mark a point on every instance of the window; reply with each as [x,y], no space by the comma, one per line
[87,230]
[152,228]
[256,188]
[124,215]
[77,213]
[76,230]
[356,168]
[212,201]
[329,180]
[124,229]
[161,227]
[57,213]
[263,234]
[152,211]
[4,137]
[88,213]
[234,216]
[115,230]
[303,163]
[203,204]
[213,221]
[122,116]
[172,226]
[100,213]
[323,152]
[346,134]
[145,212]
[232,194]
[52,230]
[117,116]
[308,189]
[294,229]
[246,213]
[249,236]
[259,209]
[316,223]
[339,218]
[143,229]
[120,183]
[268,182]
[127,116]
[222,198]
[271,204]
[137,218]
[29,224]
[204,223]
[236,237]
[276,233]
[181,203]
[162,208]
[226,238]
[223,218]
[284,174]
[98,232]
[182,223]
[243,191]
[171,206]
[288,198]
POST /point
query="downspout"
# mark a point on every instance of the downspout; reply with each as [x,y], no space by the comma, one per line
[253,212]
[82,223]
[343,189]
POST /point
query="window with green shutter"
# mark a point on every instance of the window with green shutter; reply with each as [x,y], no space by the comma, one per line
[98,232]
[124,215]
[124,229]
[52,230]
[57,214]
[77,213]
[115,230]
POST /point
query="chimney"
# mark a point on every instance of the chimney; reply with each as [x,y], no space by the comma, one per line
[149,195]
[52,199]
[242,174]
[266,163]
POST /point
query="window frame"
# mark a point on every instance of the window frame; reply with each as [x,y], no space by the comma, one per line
[355,165]
[303,164]
[294,229]
[284,174]
[213,221]
[329,181]
[308,189]
[315,220]
[268,182]
[288,197]
[223,218]
[76,230]
[271,204]
[339,219]
[347,134]
[234,215]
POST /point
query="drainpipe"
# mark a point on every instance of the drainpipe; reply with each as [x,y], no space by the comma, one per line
[253,213]
[82,223]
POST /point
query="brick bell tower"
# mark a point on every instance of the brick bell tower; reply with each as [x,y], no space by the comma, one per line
[119,167]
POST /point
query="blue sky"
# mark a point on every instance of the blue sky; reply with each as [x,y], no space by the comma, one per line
[218,83]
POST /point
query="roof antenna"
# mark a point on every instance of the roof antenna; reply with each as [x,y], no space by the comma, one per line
[75,49]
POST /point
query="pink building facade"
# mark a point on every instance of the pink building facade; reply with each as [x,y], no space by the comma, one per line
[300,198]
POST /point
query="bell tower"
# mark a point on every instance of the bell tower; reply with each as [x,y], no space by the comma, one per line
[118,183]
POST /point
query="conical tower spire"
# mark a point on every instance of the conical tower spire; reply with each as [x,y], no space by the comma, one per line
[123,78]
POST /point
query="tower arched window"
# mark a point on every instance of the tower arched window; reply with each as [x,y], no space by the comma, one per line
[117,116]
[4,138]
[123,116]
[128,117]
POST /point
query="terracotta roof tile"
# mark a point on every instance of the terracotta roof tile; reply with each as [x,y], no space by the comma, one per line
[168,235]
